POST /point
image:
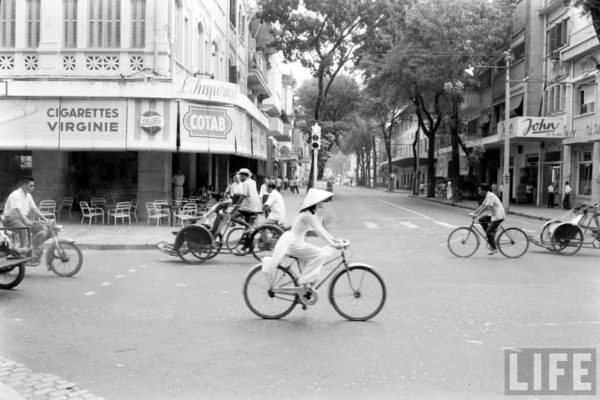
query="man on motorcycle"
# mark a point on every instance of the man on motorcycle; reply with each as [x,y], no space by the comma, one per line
[18,206]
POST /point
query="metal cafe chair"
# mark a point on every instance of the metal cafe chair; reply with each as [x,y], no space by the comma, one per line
[48,209]
[90,212]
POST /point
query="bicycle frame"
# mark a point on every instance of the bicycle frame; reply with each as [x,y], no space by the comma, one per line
[481,232]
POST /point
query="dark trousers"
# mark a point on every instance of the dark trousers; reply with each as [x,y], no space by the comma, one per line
[551,200]
[490,227]
[567,201]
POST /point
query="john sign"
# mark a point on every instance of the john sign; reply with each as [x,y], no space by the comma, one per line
[203,122]
[534,127]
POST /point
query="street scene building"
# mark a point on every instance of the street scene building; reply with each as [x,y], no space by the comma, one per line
[114,96]
[553,121]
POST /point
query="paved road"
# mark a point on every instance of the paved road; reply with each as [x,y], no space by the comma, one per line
[138,325]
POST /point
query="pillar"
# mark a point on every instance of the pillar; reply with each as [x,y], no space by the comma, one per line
[49,169]
[191,177]
[155,173]
[566,168]
[596,173]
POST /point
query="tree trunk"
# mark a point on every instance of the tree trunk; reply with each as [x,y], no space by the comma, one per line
[374,158]
[388,150]
[454,174]
[431,166]
[415,184]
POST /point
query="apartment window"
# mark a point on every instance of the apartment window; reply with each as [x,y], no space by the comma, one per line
[558,35]
[200,51]
[232,11]
[242,25]
[187,55]
[178,34]
[138,23]
[518,53]
[585,100]
[7,23]
[33,23]
[555,99]
[70,23]
[105,23]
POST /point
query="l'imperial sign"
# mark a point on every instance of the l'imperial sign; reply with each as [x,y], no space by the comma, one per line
[205,122]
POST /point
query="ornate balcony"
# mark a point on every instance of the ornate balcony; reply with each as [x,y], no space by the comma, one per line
[257,67]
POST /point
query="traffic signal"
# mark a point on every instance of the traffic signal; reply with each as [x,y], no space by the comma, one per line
[315,137]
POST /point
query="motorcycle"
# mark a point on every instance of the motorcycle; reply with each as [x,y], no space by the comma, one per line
[63,257]
[12,265]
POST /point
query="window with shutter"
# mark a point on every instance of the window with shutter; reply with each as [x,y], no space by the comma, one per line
[7,23]
[33,23]
[70,23]
[200,53]
[178,35]
[138,23]
[105,23]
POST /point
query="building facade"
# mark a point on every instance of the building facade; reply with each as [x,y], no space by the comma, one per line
[115,95]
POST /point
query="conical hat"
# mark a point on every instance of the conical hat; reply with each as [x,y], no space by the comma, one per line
[315,196]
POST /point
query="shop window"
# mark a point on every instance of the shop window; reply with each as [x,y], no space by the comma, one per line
[584,183]
[104,23]
[33,23]
[518,53]
[138,23]
[7,23]
[70,23]
[585,99]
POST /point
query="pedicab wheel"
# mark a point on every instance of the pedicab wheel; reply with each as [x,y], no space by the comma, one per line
[263,299]
[546,233]
[264,239]
[197,244]
[357,293]
[234,241]
[216,247]
[11,276]
[512,242]
[567,239]
[463,242]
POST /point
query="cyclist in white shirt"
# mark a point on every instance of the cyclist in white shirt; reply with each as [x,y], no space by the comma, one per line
[274,205]
[490,223]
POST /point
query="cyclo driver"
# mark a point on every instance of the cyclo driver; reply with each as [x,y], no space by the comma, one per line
[490,223]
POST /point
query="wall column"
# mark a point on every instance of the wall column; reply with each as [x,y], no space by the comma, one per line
[191,178]
[596,173]
[49,169]
[155,173]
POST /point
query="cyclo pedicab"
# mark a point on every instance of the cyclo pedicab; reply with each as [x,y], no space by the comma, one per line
[578,228]
[206,235]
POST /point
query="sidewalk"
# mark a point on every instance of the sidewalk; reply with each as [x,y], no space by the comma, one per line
[523,210]
[140,236]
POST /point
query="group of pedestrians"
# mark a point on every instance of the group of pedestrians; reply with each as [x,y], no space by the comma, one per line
[566,199]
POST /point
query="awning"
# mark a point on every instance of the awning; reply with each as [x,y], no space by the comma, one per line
[516,105]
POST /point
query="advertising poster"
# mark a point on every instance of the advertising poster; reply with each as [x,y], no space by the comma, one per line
[152,125]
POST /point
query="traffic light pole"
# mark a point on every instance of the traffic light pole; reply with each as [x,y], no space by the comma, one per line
[315,144]
[315,167]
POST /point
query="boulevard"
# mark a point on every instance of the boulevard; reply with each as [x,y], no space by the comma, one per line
[142,325]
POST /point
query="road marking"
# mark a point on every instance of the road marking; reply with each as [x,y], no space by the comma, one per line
[180,285]
[89,293]
[371,225]
[410,225]
[444,224]
[105,283]
[119,276]
[132,270]
[568,323]
[479,342]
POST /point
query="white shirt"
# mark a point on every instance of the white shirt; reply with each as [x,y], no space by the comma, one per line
[18,200]
[179,180]
[567,189]
[235,188]
[492,201]
[251,202]
[551,189]
[263,190]
[277,210]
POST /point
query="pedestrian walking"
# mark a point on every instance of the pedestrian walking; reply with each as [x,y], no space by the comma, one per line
[294,185]
[449,193]
[278,184]
[551,195]
[567,197]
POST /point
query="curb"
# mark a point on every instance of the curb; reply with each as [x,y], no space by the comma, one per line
[145,246]
[467,207]
[6,393]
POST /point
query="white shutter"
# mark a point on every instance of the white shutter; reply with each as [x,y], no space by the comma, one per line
[33,23]
[70,23]
[138,25]
[7,23]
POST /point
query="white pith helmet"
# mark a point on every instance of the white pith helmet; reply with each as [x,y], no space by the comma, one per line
[245,171]
[315,196]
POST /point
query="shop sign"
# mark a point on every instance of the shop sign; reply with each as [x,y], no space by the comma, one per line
[151,122]
[207,122]
[201,88]
[533,127]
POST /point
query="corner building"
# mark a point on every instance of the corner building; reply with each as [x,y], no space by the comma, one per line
[102,97]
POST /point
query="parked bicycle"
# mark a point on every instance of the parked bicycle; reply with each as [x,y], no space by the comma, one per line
[464,241]
[356,291]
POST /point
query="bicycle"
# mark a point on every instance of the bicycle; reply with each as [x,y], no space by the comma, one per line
[248,238]
[356,292]
[464,241]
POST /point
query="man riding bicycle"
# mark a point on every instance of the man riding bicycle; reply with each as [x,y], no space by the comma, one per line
[490,223]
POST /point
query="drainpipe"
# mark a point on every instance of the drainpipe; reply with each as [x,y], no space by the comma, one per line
[155,62]
[170,30]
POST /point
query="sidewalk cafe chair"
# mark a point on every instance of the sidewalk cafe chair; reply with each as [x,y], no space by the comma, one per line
[188,212]
[133,209]
[156,212]
[48,209]
[98,202]
[194,199]
[122,211]
[66,206]
[90,212]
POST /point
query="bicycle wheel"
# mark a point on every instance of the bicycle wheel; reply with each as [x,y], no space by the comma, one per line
[216,248]
[512,242]
[197,244]
[463,242]
[65,260]
[567,239]
[260,297]
[263,240]
[11,276]
[357,293]
[235,242]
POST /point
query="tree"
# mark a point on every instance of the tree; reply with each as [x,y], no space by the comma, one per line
[321,34]
[438,40]
[592,7]
[358,140]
